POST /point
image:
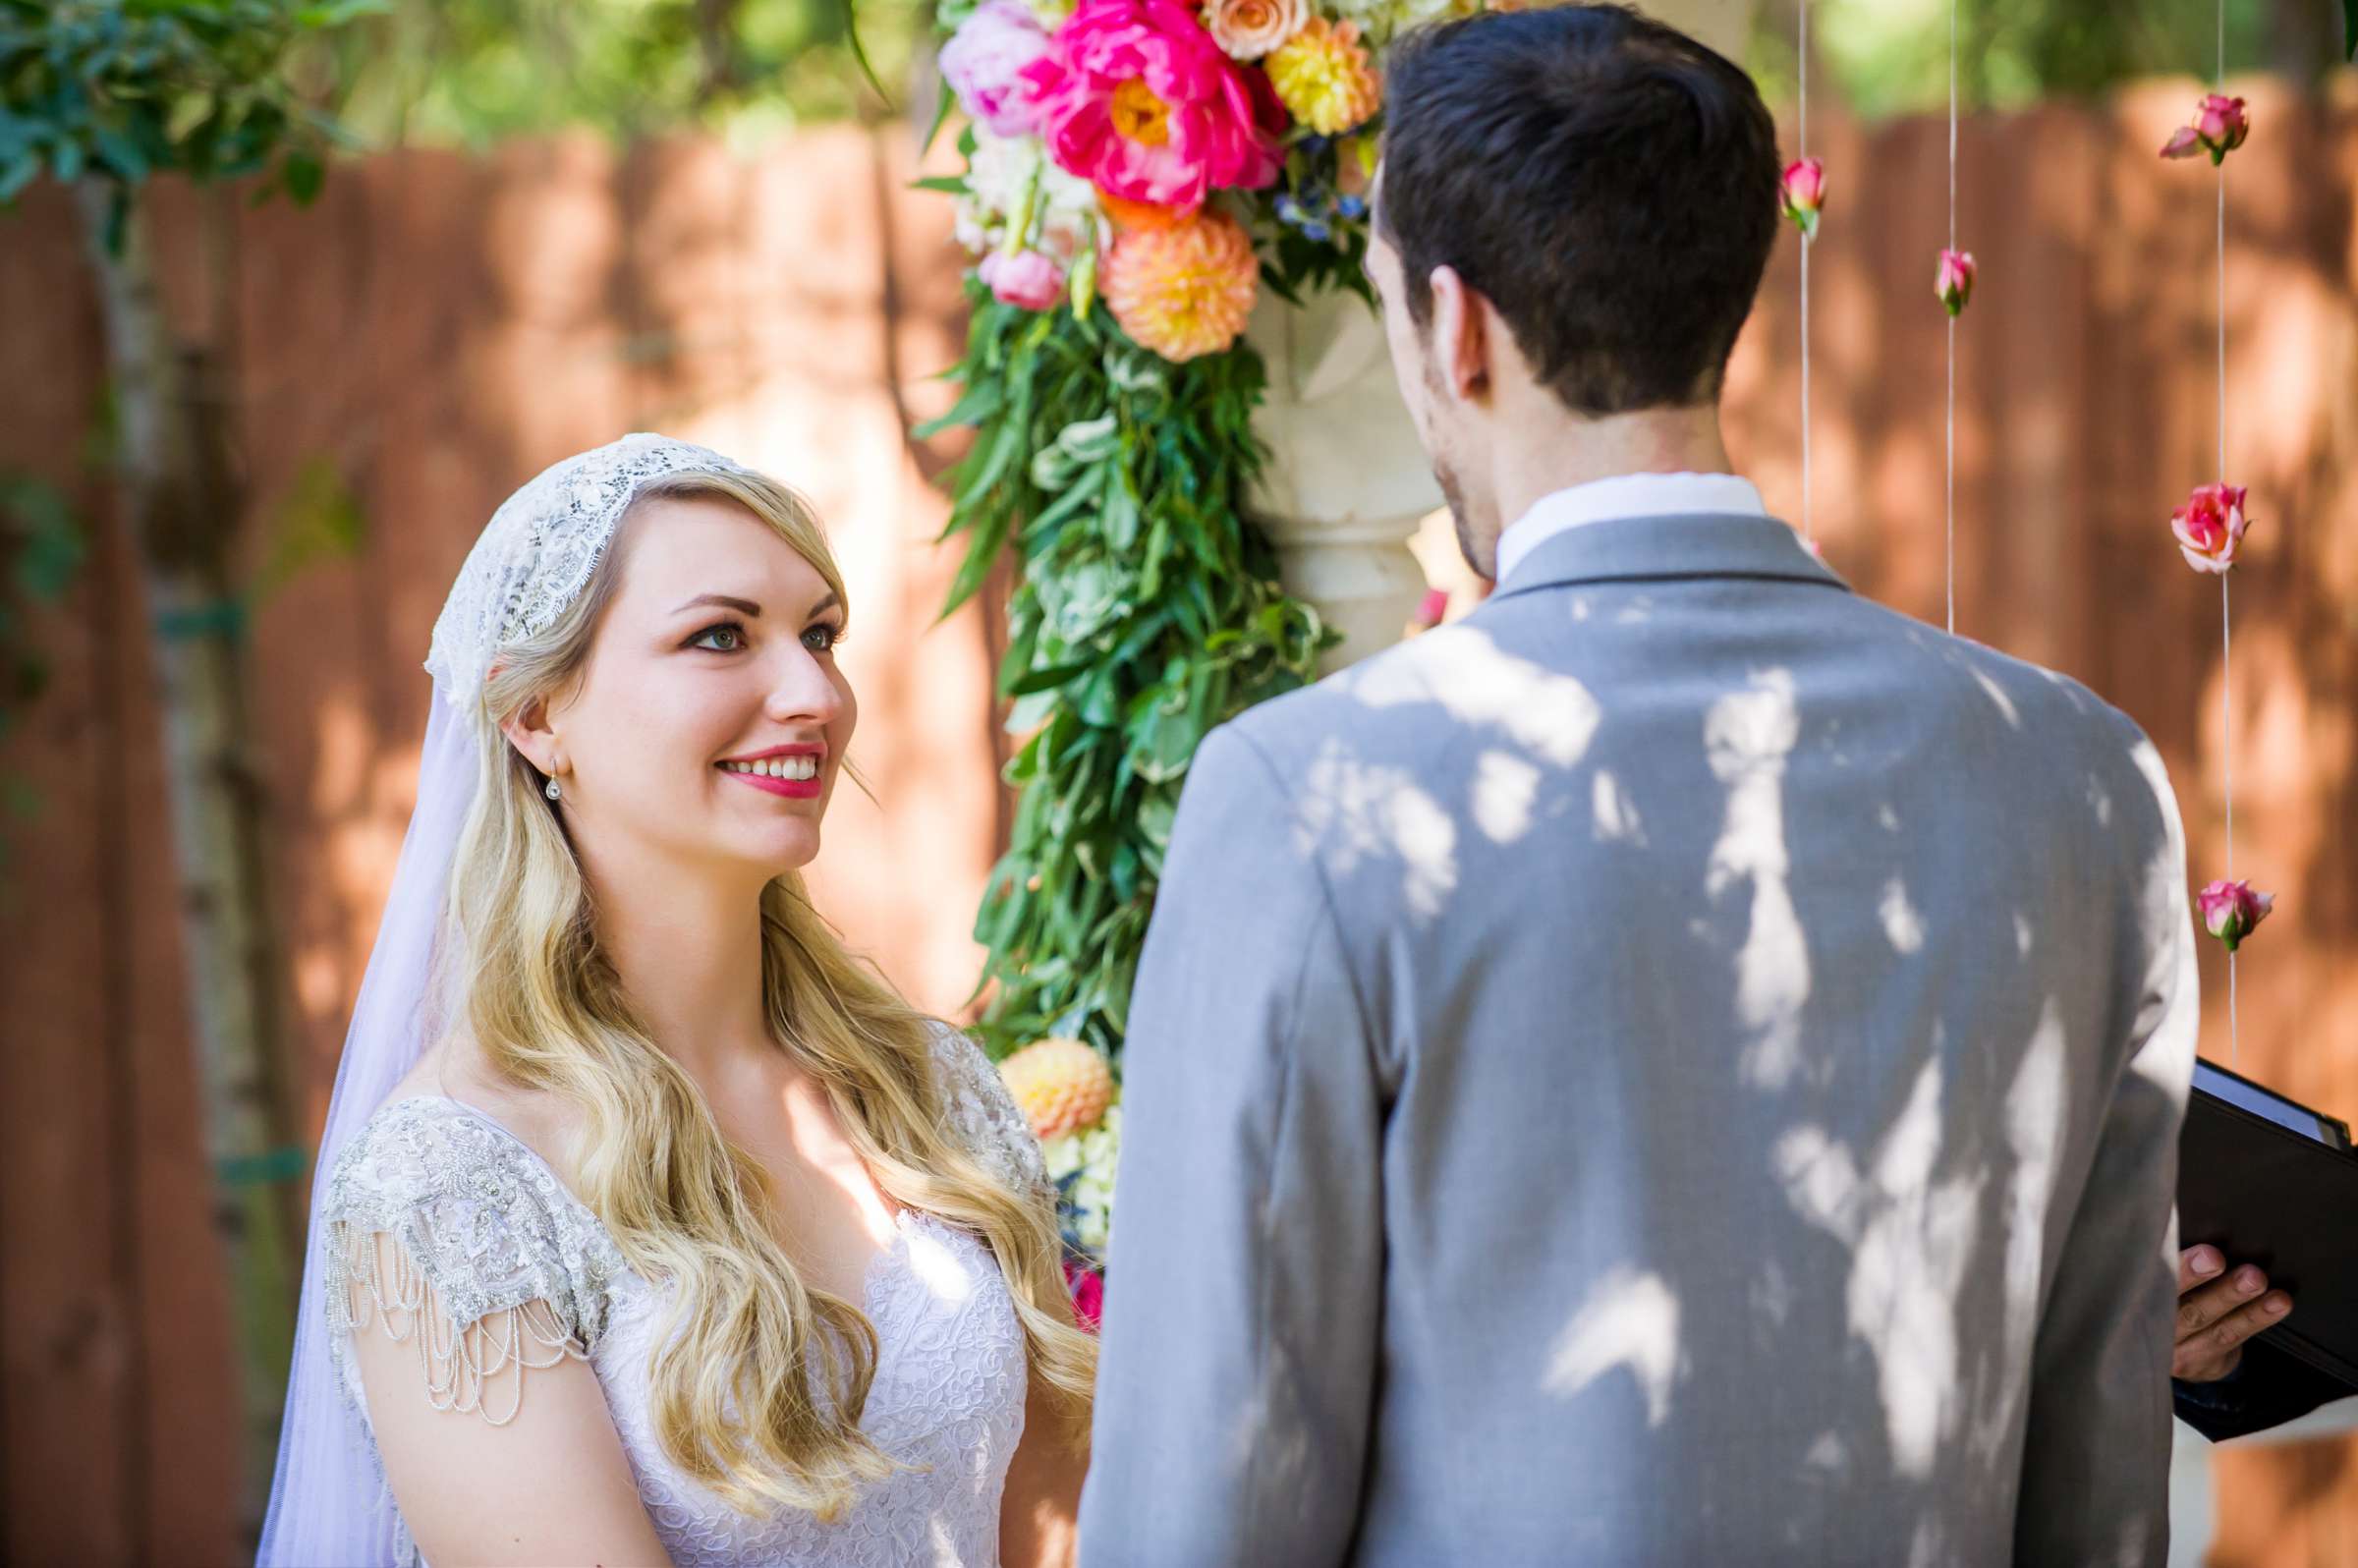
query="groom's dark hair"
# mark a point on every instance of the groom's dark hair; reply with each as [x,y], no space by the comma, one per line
[1610,184]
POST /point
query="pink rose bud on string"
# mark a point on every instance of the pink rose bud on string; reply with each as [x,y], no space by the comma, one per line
[1954,285]
[2231,911]
[2219,126]
[2209,527]
[1804,191]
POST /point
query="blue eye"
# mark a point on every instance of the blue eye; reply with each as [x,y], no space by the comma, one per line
[822,637]
[724,637]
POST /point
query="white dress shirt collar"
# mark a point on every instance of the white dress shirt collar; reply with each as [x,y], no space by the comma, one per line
[1625,495]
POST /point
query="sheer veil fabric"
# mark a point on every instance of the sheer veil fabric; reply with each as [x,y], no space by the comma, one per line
[329,1508]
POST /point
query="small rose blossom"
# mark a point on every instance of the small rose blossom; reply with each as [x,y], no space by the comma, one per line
[2219,126]
[2231,911]
[1088,1288]
[1804,191]
[1246,29]
[1954,284]
[984,64]
[2211,527]
[1027,279]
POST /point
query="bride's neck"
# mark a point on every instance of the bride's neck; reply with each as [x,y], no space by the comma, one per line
[688,952]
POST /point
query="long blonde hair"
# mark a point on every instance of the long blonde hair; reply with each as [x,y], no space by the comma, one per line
[547,1011]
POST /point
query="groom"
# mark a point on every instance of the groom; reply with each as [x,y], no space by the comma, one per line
[1684,1065]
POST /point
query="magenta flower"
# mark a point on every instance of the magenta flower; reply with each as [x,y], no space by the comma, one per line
[1954,284]
[2231,911]
[2209,527]
[984,64]
[2219,126]
[1804,191]
[1088,1288]
[1027,278]
[1135,96]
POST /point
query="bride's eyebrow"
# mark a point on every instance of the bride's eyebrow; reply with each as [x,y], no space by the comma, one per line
[744,607]
[748,609]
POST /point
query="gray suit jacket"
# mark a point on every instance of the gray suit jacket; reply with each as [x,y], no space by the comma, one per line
[1683,1066]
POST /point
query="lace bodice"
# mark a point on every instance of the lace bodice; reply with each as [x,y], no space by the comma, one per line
[525,1275]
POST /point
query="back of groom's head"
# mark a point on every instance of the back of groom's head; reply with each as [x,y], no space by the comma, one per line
[1607,183]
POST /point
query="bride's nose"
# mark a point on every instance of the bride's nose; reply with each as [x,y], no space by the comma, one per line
[803,689]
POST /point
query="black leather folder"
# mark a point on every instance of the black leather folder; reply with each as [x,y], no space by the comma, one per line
[2269,1181]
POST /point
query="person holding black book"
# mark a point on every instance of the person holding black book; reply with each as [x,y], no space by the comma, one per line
[2226,1383]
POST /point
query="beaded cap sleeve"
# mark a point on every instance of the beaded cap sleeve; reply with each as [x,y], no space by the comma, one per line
[980,1107]
[463,1243]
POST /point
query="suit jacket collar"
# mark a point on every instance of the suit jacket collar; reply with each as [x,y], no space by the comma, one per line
[1642,549]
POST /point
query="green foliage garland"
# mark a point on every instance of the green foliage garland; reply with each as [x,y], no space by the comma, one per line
[1147,612]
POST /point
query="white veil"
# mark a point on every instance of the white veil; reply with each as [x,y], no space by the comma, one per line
[329,1507]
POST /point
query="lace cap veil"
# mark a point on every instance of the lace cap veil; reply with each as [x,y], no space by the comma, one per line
[328,1505]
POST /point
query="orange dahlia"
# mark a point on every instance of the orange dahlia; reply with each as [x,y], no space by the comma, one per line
[1325,77]
[1183,291]
[1061,1086]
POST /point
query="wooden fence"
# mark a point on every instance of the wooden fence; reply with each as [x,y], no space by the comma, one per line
[438,327]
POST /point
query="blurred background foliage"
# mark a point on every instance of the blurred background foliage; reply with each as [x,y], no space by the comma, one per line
[467,73]
[1888,57]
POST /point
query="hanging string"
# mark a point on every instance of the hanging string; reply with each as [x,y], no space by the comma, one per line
[2226,638]
[1808,530]
[1951,422]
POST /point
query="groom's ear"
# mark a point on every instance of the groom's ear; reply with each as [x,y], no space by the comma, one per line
[1461,347]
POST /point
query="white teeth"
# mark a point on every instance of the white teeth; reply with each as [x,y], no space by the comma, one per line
[787,767]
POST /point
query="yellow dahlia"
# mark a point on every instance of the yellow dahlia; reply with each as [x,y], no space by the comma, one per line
[1183,291]
[1061,1086]
[1323,77]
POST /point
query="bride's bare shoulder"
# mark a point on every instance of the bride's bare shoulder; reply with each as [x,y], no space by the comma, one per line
[453,1069]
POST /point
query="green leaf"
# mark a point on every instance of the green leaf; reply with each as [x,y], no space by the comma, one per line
[851,33]
[338,11]
[2349,29]
[943,104]
[18,173]
[302,174]
[118,152]
[187,114]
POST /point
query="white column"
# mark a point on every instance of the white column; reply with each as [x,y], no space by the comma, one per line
[1347,479]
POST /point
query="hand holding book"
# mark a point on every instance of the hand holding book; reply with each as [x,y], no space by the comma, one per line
[2218,1308]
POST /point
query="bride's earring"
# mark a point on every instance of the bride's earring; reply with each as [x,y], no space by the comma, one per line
[555,793]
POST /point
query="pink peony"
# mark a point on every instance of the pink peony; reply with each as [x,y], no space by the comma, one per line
[2211,527]
[1089,1294]
[984,64]
[1136,96]
[2218,128]
[2231,910]
[1954,284]
[1804,191]
[1026,278]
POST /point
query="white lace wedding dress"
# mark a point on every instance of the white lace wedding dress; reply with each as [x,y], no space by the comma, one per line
[486,1224]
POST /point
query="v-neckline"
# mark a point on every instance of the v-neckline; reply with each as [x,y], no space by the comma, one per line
[871,1276]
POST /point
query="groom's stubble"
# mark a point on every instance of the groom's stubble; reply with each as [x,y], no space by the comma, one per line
[1480,551]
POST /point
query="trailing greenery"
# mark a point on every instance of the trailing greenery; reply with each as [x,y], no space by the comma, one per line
[1147,611]
[119,90]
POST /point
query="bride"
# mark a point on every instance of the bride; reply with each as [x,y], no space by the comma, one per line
[650,1227]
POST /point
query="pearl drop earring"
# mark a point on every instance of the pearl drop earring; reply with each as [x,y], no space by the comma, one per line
[555,793]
